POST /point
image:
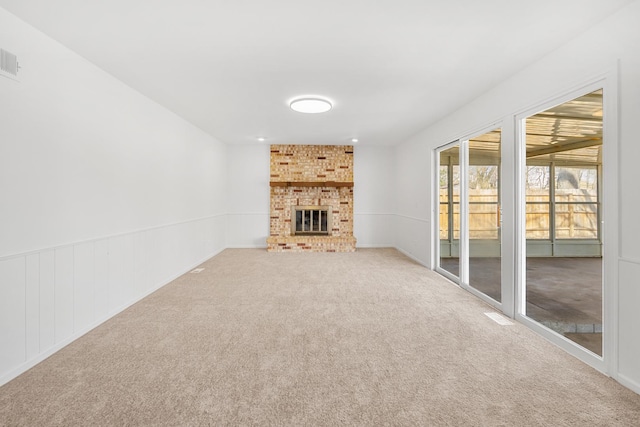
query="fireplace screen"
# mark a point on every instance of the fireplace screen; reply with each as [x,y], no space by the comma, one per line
[310,220]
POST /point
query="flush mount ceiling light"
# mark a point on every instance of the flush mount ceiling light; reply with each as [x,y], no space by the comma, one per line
[310,105]
[354,140]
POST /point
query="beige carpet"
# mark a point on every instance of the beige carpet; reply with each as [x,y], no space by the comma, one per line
[368,338]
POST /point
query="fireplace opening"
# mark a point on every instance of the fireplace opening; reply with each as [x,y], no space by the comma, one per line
[310,220]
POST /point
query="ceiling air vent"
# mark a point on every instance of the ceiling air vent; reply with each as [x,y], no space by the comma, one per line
[9,65]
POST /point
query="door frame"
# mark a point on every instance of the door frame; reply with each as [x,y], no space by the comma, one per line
[463,274]
[608,82]
[436,211]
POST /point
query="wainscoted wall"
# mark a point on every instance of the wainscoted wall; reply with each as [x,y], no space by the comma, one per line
[248,195]
[51,297]
[413,238]
[374,230]
[374,196]
[629,333]
[607,49]
[413,194]
[105,196]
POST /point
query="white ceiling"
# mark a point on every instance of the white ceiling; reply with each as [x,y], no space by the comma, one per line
[391,67]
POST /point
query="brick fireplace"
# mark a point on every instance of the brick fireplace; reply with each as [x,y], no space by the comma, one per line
[307,182]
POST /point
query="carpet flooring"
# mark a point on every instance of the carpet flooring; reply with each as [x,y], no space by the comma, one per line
[367,338]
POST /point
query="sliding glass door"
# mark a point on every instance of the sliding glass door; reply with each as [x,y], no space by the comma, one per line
[548,267]
[469,217]
[485,214]
[563,264]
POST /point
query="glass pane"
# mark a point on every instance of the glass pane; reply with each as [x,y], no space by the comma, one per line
[444,201]
[484,221]
[456,221]
[484,214]
[537,183]
[449,214]
[444,183]
[455,196]
[444,221]
[577,221]
[576,185]
[298,221]
[538,221]
[564,277]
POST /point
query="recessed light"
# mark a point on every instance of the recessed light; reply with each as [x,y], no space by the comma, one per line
[310,105]
[261,138]
[354,140]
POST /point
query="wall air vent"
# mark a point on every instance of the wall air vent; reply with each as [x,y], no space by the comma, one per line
[9,65]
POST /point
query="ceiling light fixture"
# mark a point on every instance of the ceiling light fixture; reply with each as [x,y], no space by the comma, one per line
[261,138]
[354,140]
[310,105]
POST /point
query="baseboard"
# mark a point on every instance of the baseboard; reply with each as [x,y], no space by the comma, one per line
[629,383]
[375,246]
[247,246]
[412,257]
[24,367]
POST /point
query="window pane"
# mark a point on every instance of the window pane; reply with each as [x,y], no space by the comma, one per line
[456,184]
[483,201]
[483,186]
[456,221]
[537,183]
[538,221]
[484,178]
[444,183]
[576,185]
[444,221]
[483,221]
[577,221]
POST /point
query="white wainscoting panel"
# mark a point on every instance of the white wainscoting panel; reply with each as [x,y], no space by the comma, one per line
[12,312]
[248,230]
[373,230]
[63,293]
[83,284]
[49,298]
[32,305]
[628,321]
[101,279]
[412,238]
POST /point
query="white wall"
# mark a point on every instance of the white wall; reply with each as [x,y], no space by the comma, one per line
[248,176]
[373,196]
[105,196]
[602,49]
[413,192]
